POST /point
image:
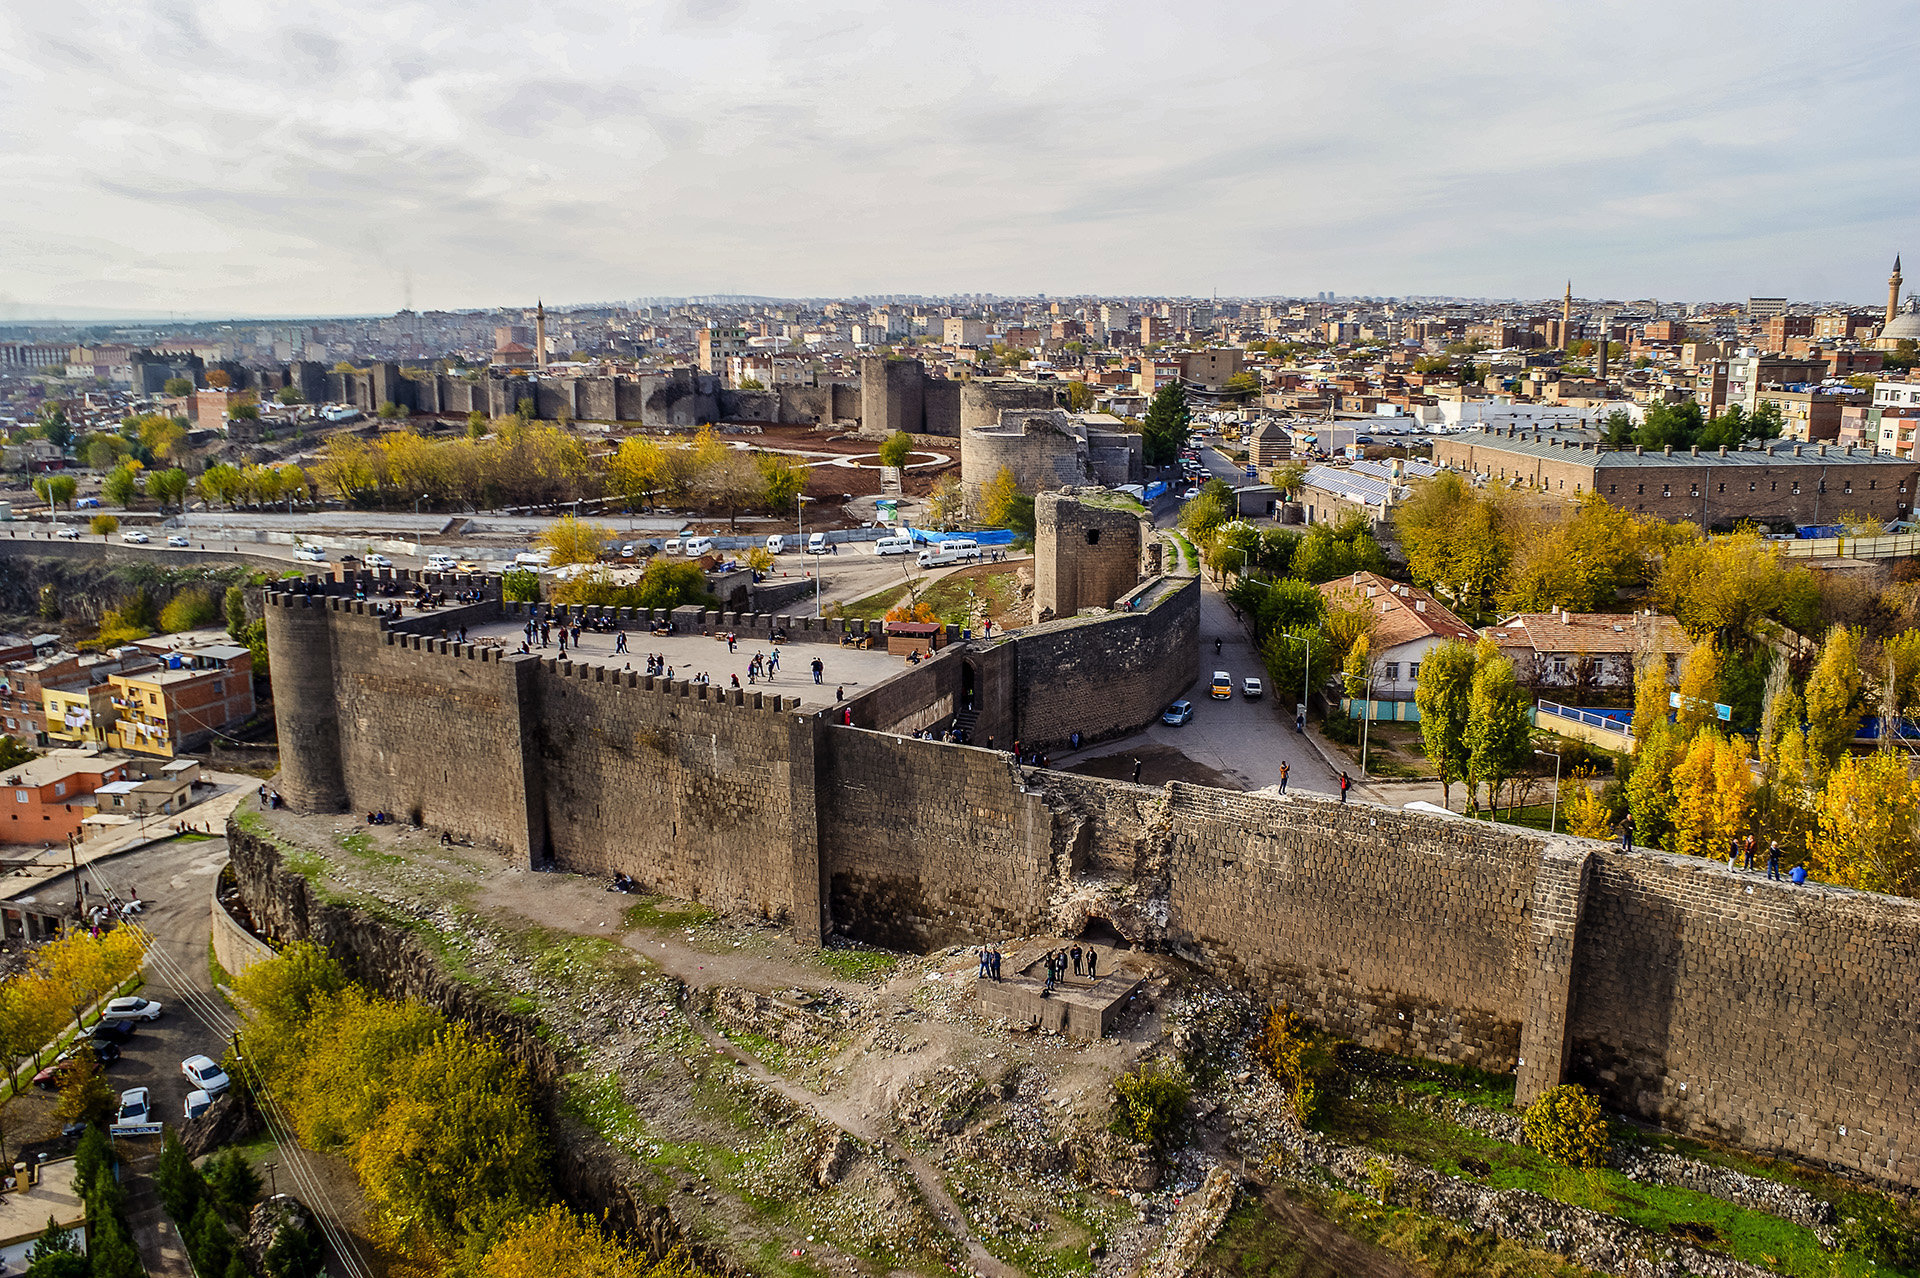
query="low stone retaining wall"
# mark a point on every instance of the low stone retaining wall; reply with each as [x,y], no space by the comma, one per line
[236,948]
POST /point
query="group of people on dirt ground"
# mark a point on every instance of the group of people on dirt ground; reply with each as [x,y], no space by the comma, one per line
[1054,965]
[1740,853]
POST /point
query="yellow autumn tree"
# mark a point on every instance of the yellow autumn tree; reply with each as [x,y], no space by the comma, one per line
[1733,788]
[1833,700]
[575,541]
[1699,685]
[1693,806]
[1587,815]
[1649,696]
[556,1242]
[1866,833]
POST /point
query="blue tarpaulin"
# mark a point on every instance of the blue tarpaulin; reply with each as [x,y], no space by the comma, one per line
[988,537]
[1154,490]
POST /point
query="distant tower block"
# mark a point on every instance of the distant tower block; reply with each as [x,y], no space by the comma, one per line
[1086,551]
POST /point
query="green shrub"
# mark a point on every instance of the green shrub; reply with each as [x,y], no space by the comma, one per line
[1567,1126]
[1300,1059]
[1149,1100]
[189,610]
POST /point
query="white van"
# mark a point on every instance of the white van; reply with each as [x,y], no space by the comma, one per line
[964,545]
[533,558]
[776,544]
[817,544]
[672,547]
[441,563]
[311,554]
[893,546]
[698,546]
[941,558]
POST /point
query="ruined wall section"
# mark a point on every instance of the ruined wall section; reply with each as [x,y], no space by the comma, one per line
[1105,676]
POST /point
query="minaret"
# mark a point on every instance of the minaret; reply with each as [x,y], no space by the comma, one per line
[1566,318]
[540,335]
[1893,290]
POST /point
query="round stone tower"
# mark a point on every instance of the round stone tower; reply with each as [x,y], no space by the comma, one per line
[305,706]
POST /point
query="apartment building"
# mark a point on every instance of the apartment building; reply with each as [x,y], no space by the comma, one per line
[962,330]
[718,345]
[49,798]
[181,703]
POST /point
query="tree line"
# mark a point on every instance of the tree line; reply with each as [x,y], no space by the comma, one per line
[438,1123]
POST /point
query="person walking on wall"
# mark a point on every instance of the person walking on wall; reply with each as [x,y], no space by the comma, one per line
[819,669]
[1773,859]
[1345,782]
[1136,772]
[1284,769]
[1626,833]
[996,963]
[1093,962]
[1746,846]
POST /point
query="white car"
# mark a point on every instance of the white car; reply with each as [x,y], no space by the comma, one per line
[377,561]
[205,1073]
[311,555]
[441,563]
[1190,494]
[70,534]
[136,1108]
[626,551]
[178,539]
[133,1008]
[197,1104]
[1251,688]
[135,536]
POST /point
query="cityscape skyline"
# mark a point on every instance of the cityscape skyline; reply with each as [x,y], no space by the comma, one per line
[186,159]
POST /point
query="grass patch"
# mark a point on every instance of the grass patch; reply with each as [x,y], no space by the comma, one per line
[658,912]
[1434,1078]
[770,1052]
[849,964]
[192,836]
[1040,1232]
[952,598]
[873,606]
[222,979]
[595,1101]
[520,1005]
[1663,1210]
[361,848]
[567,959]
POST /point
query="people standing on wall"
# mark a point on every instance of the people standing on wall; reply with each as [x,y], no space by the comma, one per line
[1746,846]
[1136,769]
[1093,964]
[819,670]
[1626,834]
[1283,776]
[1075,954]
[1773,859]
[1345,783]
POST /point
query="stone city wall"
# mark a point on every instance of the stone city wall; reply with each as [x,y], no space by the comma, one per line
[1715,1002]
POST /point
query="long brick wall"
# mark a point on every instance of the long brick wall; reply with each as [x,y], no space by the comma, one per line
[1716,1002]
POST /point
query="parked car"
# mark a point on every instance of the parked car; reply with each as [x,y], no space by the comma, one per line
[377,561]
[1221,689]
[626,551]
[116,1031]
[205,1073]
[133,1008]
[135,536]
[197,1104]
[178,539]
[50,1078]
[1252,688]
[136,1108]
[1177,713]
[1190,494]
[311,555]
[70,534]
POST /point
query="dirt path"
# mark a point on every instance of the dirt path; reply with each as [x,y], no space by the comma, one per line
[856,1122]
[1323,1242]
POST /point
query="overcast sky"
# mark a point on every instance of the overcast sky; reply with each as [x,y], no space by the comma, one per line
[247,158]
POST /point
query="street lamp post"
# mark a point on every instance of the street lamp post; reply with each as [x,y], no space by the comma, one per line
[416,524]
[1366,719]
[1306,679]
[1553,821]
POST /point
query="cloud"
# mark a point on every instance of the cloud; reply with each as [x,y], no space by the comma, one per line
[207,155]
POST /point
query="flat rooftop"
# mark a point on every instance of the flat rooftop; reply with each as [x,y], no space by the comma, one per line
[689,655]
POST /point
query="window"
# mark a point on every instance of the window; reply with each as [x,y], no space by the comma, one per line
[1796,488]
[1666,490]
[19,796]
[1848,488]
[1693,490]
[1642,490]
[1413,671]
[1752,487]
[1392,671]
[1723,488]
[1559,665]
[59,789]
[1612,489]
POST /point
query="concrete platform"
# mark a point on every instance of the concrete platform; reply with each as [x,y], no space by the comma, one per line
[1078,1008]
[24,1212]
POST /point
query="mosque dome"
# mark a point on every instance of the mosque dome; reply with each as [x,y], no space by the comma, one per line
[1905,326]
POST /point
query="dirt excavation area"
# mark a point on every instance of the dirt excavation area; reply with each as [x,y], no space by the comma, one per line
[846,1110]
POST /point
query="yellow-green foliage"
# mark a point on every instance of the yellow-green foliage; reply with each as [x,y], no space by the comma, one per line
[1288,1046]
[1566,1125]
[437,1123]
[189,610]
[557,1242]
[1149,1100]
